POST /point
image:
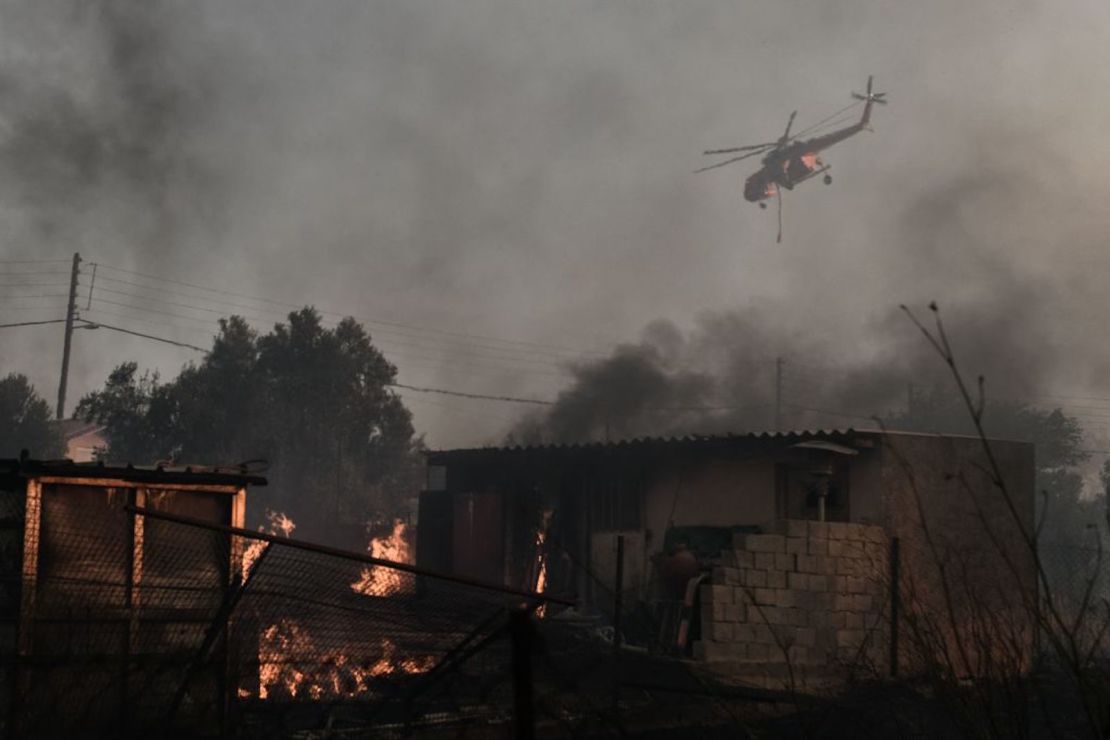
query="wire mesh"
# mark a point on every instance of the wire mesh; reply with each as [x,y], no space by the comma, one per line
[137,621]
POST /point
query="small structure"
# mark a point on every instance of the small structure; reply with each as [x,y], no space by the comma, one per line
[103,611]
[773,524]
[83,440]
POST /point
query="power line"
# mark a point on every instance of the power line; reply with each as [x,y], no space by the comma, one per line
[98,325]
[478,396]
[412,327]
[34,272]
[32,323]
[34,262]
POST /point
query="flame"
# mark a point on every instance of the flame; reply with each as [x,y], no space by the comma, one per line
[541,560]
[333,674]
[377,580]
[291,665]
[278,522]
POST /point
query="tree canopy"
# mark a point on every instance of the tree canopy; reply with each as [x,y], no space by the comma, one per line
[25,421]
[311,400]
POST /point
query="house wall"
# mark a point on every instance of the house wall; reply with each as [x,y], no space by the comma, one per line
[711,492]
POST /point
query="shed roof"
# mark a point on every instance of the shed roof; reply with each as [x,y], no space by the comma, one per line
[845,435]
[193,474]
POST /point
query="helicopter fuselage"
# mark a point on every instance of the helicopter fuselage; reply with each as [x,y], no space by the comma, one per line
[787,166]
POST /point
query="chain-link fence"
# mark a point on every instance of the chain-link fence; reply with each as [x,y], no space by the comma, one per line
[146,621]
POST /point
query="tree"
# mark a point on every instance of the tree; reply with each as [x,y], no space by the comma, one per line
[25,421]
[313,401]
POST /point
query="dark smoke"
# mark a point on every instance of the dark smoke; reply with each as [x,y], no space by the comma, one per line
[98,133]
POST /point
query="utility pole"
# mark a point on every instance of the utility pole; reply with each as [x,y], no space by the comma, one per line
[779,362]
[71,314]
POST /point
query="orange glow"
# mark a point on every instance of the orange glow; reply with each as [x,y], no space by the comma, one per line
[377,580]
[278,523]
[541,560]
[332,675]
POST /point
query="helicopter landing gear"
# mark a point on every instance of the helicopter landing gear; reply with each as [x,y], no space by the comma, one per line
[827,179]
[763,205]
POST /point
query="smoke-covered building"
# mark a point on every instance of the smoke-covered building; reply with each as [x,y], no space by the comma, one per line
[739,505]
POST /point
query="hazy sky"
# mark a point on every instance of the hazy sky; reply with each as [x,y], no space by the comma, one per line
[523,171]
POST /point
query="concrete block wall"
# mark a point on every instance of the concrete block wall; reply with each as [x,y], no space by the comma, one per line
[811,592]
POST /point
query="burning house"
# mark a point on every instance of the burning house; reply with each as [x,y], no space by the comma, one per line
[782,543]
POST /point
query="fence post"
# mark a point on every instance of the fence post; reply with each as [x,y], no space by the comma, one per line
[895,571]
[618,607]
[521,637]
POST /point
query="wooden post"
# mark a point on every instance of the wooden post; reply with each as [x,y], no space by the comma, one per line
[895,573]
[618,607]
[520,637]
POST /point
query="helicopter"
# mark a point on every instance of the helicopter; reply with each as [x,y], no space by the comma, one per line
[790,161]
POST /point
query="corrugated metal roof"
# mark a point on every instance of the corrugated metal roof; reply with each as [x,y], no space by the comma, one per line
[690,439]
[197,474]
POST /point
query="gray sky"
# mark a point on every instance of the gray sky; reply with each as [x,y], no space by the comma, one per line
[523,171]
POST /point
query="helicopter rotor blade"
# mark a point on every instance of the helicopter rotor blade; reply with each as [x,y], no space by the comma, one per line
[739,149]
[786,135]
[727,161]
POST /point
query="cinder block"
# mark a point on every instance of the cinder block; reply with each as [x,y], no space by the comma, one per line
[716,592]
[817,547]
[855,584]
[849,638]
[797,617]
[805,636]
[837,530]
[753,578]
[785,561]
[764,543]
[807,563]
[718,632]
[797,545]
[765,596]
[817,582]
[818,530]
[863,602]
[837,620]
[836,548]
[805,599]
[762,634]
[797,580]
[734,612]
[743,632]
[853,621]
[764,560]
[785,598]
[758,651]
[843,602]
[853,549]
[874,534]
[776,579]
[744,559]
[717,610]
[848,567]
[798,655]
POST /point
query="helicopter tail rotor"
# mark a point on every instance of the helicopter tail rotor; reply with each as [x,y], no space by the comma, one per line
[871,97]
